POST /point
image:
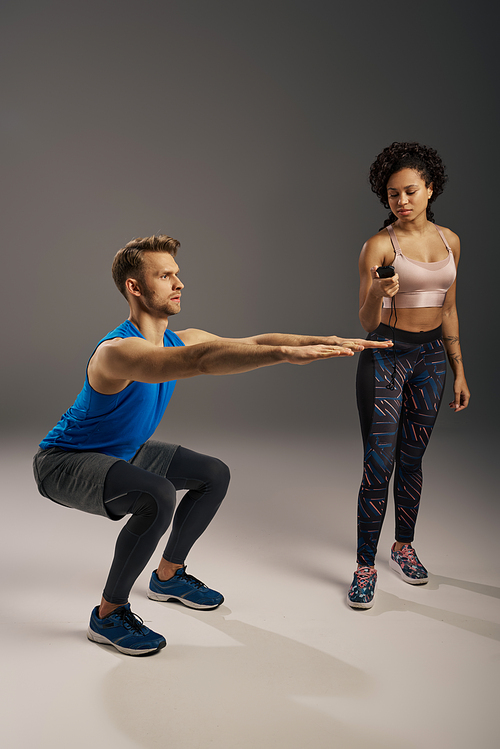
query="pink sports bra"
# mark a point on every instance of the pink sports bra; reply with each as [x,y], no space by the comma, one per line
[421,284]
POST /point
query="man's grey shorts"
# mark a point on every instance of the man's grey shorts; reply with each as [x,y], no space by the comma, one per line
[76,479]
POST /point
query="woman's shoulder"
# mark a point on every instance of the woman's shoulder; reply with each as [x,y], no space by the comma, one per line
[377,248]
[452,238]
[450,235]
[379,239]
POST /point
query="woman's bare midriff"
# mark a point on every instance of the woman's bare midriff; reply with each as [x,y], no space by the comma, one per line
[414,319]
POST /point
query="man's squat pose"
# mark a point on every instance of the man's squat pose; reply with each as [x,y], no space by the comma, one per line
[99,457]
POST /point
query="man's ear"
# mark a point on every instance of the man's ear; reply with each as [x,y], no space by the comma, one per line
[133,287]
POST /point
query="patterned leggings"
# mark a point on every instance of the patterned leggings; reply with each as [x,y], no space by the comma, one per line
[396,425]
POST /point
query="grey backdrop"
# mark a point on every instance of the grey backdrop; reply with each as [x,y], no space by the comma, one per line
[245,130]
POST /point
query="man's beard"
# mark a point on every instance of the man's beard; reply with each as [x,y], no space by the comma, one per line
[165,308]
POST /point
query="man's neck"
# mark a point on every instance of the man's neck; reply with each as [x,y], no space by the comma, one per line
[152,328]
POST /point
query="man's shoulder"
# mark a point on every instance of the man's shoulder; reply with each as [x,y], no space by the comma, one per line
[192,336]
[172,339]
[125,330]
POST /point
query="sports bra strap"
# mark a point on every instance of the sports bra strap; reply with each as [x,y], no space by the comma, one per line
[394,240]
[395,243]
[443,238]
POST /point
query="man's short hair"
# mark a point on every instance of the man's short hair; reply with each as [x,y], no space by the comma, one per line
[129,261]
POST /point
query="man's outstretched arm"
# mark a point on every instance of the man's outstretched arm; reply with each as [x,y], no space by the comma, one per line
[120,361]
[193,335]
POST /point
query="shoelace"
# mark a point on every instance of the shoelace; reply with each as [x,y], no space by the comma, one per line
[408,552]
[131,620]
[191,579]
[364,574]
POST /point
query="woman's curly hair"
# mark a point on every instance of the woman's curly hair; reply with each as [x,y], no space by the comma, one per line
[423,159]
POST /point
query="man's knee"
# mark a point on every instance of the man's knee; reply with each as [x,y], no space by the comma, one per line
[153,507]
[218,474]
[165,500]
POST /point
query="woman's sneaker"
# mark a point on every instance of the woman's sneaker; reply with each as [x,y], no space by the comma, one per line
[125,631]
[408,565]
[186,589]
[362,590]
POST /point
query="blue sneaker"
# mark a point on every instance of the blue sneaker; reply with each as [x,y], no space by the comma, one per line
[362,589]
[408,565]
[186,589]
[125,631]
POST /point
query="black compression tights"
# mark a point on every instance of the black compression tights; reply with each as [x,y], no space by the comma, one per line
[150,500]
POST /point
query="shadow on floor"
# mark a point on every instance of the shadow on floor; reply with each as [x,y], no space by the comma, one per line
[243,696]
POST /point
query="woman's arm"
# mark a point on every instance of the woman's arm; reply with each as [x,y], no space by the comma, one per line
[451,337]
[373,289]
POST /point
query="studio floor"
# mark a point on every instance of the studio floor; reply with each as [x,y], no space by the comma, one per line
[284,662]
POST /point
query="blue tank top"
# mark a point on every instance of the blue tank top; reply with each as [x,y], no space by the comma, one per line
[118,424]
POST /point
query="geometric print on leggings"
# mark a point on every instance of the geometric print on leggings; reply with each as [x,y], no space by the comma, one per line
[401,427]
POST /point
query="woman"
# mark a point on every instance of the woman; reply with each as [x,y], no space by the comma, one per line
[399,390]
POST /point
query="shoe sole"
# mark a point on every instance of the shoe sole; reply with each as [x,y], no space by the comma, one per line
[96,637]
[360,604]
[411,580]
[357,605]
[190,604]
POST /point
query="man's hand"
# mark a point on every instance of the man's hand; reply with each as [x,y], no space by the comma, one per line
[306,354]
[357,344]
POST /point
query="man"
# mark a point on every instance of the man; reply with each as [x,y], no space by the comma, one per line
[99,457]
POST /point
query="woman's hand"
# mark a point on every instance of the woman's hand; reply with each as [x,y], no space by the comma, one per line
[462,394]
[382,287]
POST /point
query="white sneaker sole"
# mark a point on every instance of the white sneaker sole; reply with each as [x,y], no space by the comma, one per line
[190,604]
[359,604]
[96,637]
[354,605]
[411,580]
